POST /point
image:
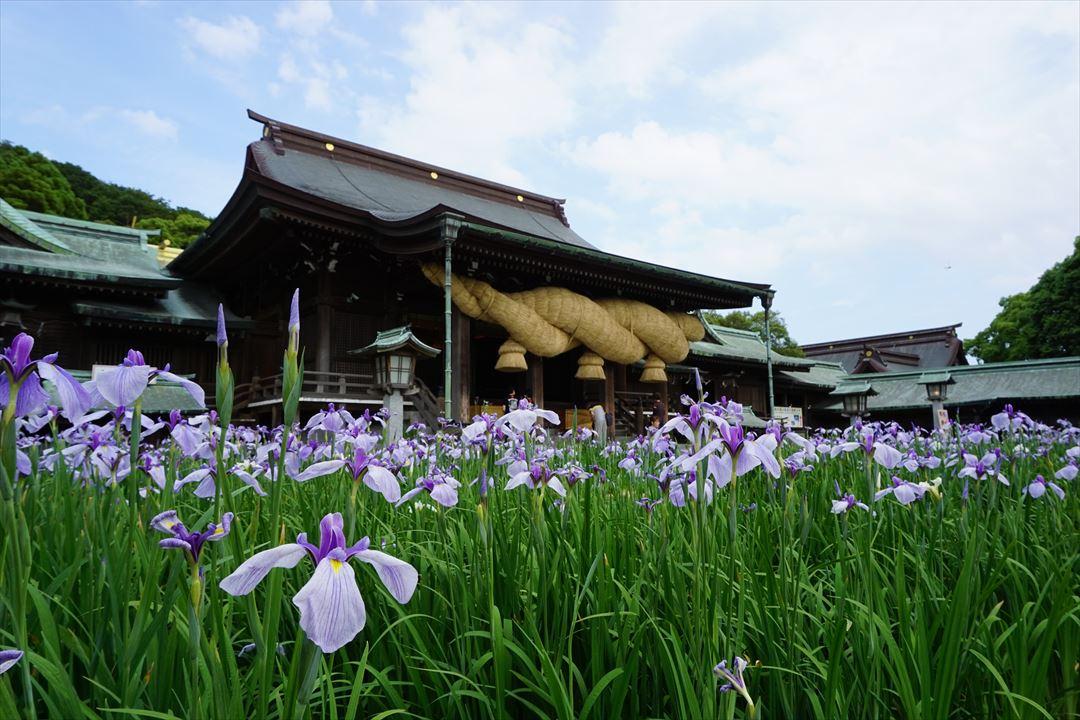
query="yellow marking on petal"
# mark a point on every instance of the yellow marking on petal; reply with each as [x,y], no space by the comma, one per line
[219,531]
[169,523]
[336,565]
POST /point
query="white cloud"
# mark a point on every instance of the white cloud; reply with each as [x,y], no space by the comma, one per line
[886,141]
[493,86]
[305,17]
[236,38]
[150,123]
[101,119]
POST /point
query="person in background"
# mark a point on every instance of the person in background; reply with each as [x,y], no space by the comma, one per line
[599,422]
[511,401]
[657,410]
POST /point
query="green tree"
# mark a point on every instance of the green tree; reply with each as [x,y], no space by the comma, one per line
[116,204]
[1042,322]
[782,341]
[30,181]
[180,231]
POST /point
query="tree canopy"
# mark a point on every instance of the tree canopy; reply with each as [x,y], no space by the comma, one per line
[30,181]
[782,341]
[1042,322]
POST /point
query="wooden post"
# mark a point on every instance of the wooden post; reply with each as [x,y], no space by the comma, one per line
[536,379]
[609,389]
[324,318]
[462,375]
[663,403]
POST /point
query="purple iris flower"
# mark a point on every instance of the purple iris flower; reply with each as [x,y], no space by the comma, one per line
[331,608]
[184,539]
[742,454]
[526,416]
[363,467]
[332,420]
[1071,469]
[735,680]
[978,468]
[222,336]
[885,455]
[124,384]
[846,503]
[9,658]
[904,491]
[18,371]
[206,477]
[1038,487]
[441,486]
[534,476]
[1009,419]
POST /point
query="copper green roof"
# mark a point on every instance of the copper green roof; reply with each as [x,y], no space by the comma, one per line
[990,383]
[854,387]
[191,304]
[26,229]
[390,340]
[726,343]
[936,377]
[818,374]
[77,250]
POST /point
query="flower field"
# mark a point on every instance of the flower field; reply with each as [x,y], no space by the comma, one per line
[505,570]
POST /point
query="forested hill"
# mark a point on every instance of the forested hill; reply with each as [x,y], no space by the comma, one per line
[31,181]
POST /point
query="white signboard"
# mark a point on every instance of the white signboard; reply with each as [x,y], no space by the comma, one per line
[789,416]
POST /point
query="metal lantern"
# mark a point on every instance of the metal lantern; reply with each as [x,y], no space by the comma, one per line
[395,352]
[854,396]
[937,385]
[855,405]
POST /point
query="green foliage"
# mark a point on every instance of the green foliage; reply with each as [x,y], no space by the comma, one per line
[30,181]
[180,231]
[1039,323]
[782,341]
[948,608]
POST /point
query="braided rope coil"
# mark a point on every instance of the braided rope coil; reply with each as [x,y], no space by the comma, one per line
[549,321]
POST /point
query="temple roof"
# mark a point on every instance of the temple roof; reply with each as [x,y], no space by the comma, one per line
[51,246]
[726,343]
[342,189]
[928,348]
[393,188]
[191,304]
[990,383]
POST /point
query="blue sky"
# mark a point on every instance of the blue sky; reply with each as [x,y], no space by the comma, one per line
[885,167]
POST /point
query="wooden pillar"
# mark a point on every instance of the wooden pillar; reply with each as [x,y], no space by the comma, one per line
[536,379]
[664,403]
[609,388]
[461,361]
[324,319]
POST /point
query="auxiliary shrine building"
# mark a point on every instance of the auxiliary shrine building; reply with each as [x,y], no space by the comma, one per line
[491,276]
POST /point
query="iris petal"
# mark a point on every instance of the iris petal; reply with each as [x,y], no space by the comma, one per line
[251,572]
[331,608]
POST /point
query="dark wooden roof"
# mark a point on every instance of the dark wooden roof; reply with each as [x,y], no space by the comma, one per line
[928,348]
[350,192]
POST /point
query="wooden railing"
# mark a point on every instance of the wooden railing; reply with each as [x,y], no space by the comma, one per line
[426,404]
[316,387]
[327,387]
[632,411]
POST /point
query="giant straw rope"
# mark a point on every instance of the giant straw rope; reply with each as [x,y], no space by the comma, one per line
[549,321]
